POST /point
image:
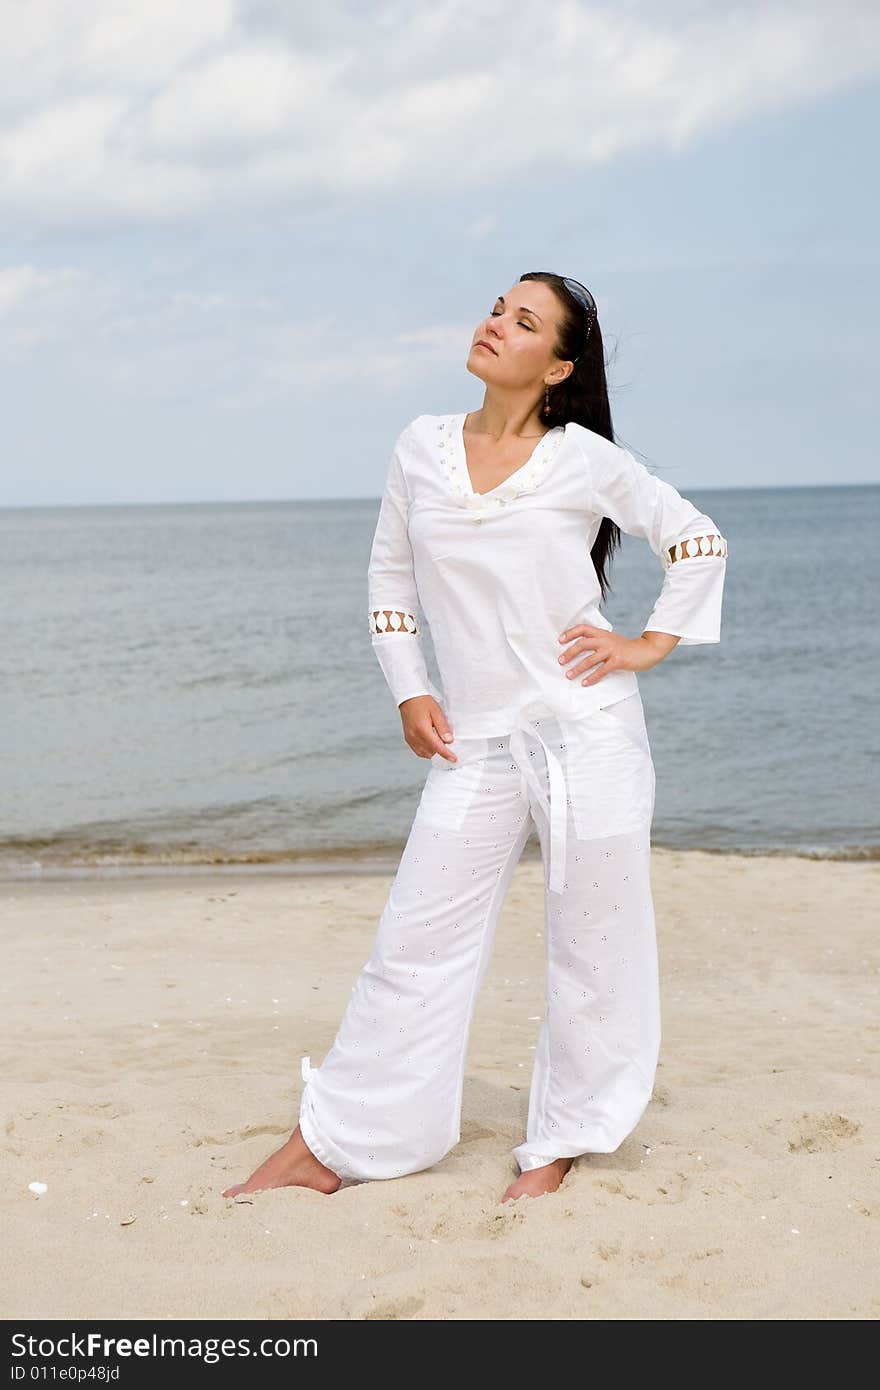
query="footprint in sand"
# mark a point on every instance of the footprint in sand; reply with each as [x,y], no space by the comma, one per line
[821,1133]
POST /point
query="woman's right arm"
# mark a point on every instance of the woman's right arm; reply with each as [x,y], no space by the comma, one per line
[395,615]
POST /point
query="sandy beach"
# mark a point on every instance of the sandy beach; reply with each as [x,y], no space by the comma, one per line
[151,1057]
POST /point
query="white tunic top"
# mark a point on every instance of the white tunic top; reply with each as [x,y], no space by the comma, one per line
[499,575]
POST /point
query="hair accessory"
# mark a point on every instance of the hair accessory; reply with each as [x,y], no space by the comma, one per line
[582,296]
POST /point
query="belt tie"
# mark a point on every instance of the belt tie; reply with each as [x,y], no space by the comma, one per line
[556,810]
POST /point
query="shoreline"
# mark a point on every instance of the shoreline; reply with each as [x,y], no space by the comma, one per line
[334,863]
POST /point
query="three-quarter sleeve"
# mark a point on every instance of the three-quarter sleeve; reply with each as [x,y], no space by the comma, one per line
[394,609]
[689,545]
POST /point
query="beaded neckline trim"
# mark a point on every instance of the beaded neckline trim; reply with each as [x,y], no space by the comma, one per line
[450,444]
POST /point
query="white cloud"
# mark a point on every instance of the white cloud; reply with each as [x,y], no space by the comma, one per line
[53,50]
[115,113]
[110,340]
[481,227]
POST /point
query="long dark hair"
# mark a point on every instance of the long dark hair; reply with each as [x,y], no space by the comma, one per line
[582,397]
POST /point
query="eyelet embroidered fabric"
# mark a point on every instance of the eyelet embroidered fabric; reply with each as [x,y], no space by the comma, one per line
[386,1100]
[710,544]
[392,620]
[496,596]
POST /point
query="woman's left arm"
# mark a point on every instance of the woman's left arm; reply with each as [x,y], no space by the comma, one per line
[691,549]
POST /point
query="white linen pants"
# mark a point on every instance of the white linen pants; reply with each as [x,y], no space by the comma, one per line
[386,1099]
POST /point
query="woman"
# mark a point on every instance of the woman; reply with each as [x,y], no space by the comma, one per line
[499,526]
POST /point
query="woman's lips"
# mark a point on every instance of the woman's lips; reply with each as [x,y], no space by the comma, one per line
[487,348]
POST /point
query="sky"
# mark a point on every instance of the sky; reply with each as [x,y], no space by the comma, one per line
[244,242]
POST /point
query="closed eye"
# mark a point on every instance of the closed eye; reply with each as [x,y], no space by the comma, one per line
[522,324]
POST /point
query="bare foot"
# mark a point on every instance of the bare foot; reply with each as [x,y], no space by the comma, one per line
[534,1182]
[293,1165]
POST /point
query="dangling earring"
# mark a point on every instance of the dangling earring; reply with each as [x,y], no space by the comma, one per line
[546,410]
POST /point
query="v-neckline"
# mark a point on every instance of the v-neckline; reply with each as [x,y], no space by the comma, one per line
[511,477]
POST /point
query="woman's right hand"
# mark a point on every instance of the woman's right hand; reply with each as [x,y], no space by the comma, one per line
[425,728]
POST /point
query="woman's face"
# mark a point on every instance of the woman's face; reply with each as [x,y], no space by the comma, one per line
[520,330]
